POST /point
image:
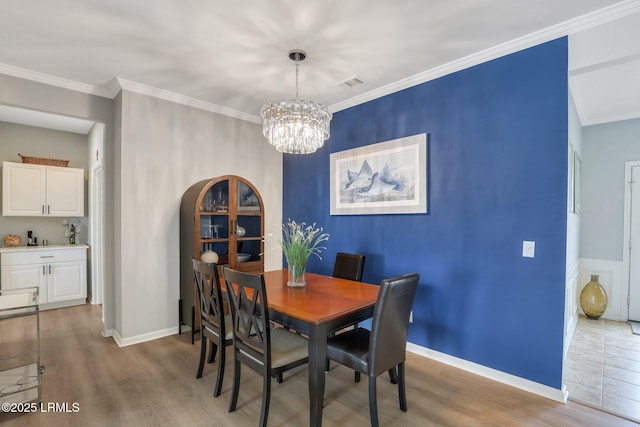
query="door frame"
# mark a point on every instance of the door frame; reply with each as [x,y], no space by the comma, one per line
[626,251]
[96,212]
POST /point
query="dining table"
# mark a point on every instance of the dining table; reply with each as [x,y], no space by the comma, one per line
[325,304]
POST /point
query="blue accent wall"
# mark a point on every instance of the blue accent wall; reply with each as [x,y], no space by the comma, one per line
[497,175]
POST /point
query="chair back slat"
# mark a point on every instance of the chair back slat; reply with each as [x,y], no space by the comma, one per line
[389,328]
[247,300]
[210,297]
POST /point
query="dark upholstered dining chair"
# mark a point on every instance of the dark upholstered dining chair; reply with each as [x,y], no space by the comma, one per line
[215,326]
[348,266]
[268,351]
[384,347]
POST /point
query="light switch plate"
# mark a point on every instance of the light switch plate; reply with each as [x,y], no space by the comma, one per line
[528,249]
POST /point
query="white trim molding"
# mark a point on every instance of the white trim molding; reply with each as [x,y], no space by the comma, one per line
[34,76]
[123,342]
[626,239]
[492,374]
[571,305]
[185,100]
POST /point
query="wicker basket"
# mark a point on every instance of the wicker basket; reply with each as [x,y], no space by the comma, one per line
[43,161]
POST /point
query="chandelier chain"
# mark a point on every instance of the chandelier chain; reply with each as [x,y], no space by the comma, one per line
[297,74]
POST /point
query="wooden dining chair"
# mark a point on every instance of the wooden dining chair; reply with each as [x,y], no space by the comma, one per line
[384,347]
[215,326]
[268,351]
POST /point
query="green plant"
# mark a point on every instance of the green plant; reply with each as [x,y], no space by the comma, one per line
[299,241]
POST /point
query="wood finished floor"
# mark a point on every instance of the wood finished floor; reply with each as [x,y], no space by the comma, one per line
[603,366]
[154,384]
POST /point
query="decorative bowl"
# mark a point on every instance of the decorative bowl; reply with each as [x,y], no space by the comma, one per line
[12,240]
[243,257]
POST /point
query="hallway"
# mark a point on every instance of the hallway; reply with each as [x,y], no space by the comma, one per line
[602,368]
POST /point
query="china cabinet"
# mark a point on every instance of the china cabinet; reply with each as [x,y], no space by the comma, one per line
[220,218]
[20,369]
[38,190]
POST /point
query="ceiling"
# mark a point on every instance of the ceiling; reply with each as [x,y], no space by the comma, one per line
[231,57]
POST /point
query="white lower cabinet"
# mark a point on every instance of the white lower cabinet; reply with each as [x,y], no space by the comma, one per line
[59,274]
[24,276]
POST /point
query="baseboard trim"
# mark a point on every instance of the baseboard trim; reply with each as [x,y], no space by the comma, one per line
[492,374]
[62,304]
[123,342]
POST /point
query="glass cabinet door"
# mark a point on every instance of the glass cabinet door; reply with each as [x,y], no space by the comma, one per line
[248,224]
[214,220]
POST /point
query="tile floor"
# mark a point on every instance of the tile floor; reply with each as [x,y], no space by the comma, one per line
[602,368]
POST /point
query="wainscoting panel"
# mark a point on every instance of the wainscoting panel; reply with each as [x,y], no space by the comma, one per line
[610,277]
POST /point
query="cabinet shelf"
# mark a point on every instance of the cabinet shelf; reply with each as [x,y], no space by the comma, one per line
[206,240]
[209,213]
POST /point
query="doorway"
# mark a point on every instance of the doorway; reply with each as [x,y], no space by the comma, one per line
[95,136]
[631,254]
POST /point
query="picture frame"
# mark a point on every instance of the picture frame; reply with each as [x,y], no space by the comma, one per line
[388,177]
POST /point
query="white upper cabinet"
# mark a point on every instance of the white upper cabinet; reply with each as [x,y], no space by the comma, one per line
[36,190]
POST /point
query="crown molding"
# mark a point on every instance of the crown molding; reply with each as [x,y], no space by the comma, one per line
[185,100]
[563,29]
[35,76]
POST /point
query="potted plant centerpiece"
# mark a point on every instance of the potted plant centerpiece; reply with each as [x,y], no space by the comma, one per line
[298,242]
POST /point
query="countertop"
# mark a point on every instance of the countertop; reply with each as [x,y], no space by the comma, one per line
[9,249]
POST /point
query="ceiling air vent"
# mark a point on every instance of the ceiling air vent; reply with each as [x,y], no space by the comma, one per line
[351,82]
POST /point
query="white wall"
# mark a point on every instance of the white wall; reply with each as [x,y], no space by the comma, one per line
[573,218]
[163,149]
[605,149]
[573,230]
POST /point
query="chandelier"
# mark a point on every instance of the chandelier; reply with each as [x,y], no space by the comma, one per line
[293,125]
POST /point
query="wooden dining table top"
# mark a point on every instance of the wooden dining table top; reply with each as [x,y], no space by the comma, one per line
[323,299]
